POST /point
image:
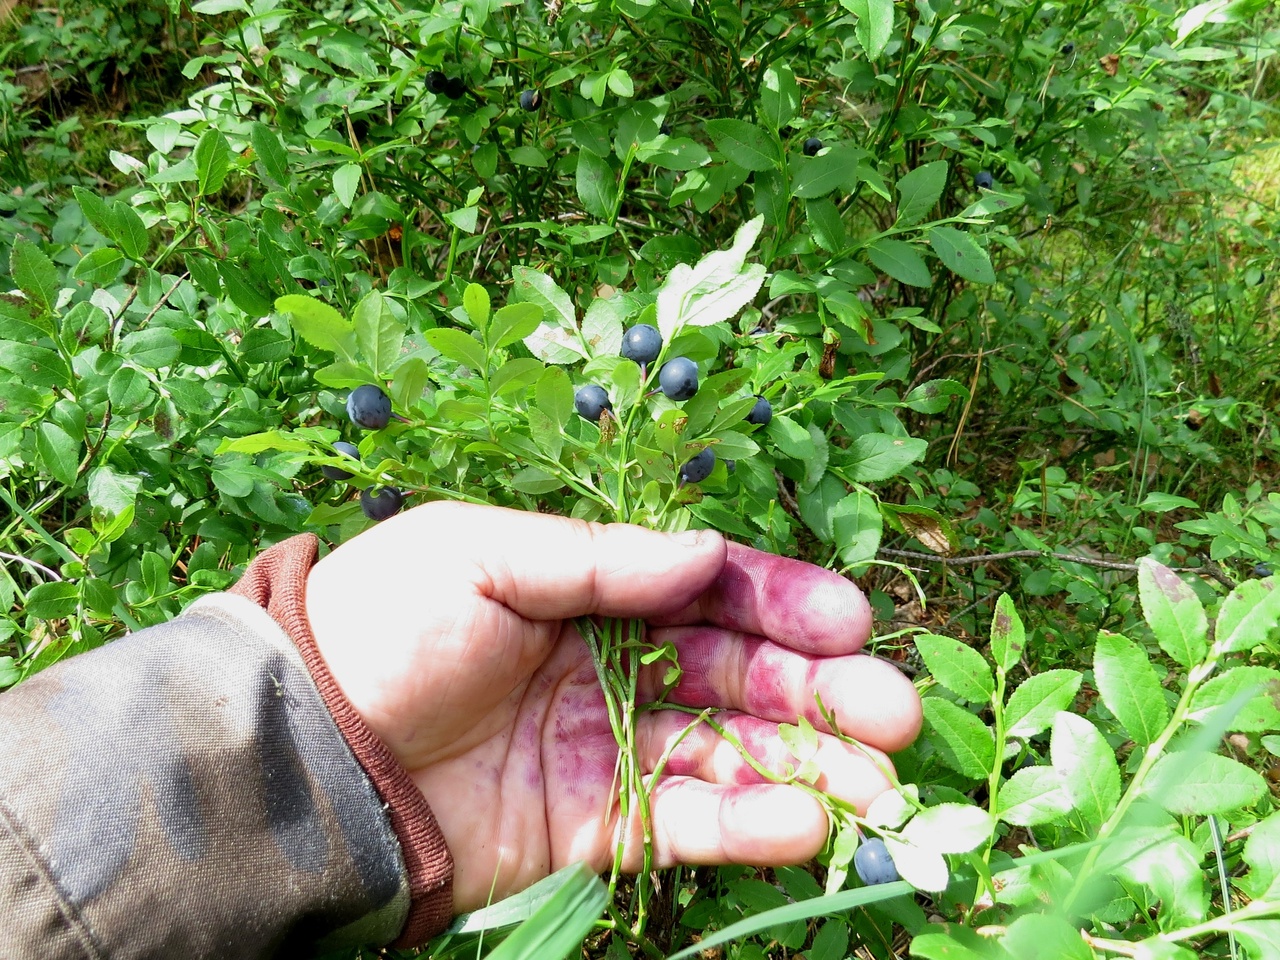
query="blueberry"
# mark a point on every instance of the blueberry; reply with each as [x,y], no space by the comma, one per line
[529,100]
[381,505]
[369,407]
[731,465]
[347,450]
[437,82]
[1262,570]
[1068,49]
[679,378]
[873,863]
[591,401]
[811,147]
[696,469]
[761,413]
[454,88]
[642,343]
[983,180]
[665,129]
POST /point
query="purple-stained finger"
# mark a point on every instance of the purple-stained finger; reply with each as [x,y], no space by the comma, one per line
[795,603]
[872,701]
[854,774]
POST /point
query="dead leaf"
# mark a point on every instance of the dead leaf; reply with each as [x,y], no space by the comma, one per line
[1110,63]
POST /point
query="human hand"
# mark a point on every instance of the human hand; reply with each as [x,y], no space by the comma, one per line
[449,628]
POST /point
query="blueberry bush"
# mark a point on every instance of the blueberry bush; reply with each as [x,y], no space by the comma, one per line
[975,303]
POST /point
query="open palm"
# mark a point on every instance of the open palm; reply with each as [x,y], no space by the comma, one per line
[462,656]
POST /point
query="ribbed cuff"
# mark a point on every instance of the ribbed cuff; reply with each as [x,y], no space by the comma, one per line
[277,582]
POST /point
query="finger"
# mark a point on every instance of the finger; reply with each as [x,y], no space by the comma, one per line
[547,567]
[848,772]
[705,824]
[794,603]
[872,702]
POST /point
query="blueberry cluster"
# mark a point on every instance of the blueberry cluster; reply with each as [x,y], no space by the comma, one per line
[369,408]
[677,380]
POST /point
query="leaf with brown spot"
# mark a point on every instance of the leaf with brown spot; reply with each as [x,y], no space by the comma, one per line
[1110,63]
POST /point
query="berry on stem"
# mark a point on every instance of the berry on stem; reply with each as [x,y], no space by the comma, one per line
[873,863]
[530,99]
[678,378]
[381,505]
[344,449]
[369,407]
[591,402]
[983,180]
[698,468]
[642,343]
[761,413]
[811,147]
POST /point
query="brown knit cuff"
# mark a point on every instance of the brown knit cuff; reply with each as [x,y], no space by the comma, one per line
[277,582]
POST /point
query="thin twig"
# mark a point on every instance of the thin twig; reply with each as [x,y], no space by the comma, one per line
[1026,555]
[32,563]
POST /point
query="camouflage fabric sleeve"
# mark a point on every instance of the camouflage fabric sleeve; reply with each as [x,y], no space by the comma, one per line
[185,792]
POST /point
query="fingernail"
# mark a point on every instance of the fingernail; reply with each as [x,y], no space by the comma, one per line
[689,538]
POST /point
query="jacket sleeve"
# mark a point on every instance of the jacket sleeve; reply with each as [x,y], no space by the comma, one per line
[195,790]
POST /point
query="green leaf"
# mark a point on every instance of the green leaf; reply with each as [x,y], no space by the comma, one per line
[964,742]
[475,300]
[934,396]
[556,340]
[113,492]
[1033,796]
[1174,613]
[379,333]
[900,261]
[346,181]
[513,323]
[857,527]
[596,186]
[151,349]
[34,273]
[1129,687]
[243,289]
[744,144]
[958,667]
[1248,616]
[1007,635]
[130,231]
[878,456]
[1259,714]
[51,601]
[825,224]
[1045,935]
[1038,700]
[560,924]
[318,323]
[779,96]
[919,191]
[516,375]
[1260,937]
[1197,784]
[1262,853]
[96,211]
[874,26]
[950,828]
[962,255]
[212,157]
[715,289]
[59,452]
[459,346]
[1086,765]
[273,159]
[99,267]
[528,156]
[265,345]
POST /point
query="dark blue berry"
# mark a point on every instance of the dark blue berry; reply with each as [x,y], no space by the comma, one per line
[1068,49]
[761,413]
[984,180]
[454,88]
[369,407]
[437,82]
[678,378]
[731,465]
[529,100]
[591,402]
[665,129]
[811,147]
[873,863]
[381,505]
[696,469]
[642,343]
[344,449]
[1262,570]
